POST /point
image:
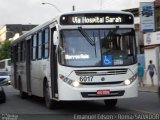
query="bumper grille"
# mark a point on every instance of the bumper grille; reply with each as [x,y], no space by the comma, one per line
[94,94]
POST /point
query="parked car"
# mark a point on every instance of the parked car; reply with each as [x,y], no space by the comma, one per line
[2,95]
[4,78]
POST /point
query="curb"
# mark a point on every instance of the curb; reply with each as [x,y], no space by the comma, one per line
[148,91]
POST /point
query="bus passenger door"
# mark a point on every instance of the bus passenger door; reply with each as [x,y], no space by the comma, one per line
[14,65]
[28,65]
[53,66]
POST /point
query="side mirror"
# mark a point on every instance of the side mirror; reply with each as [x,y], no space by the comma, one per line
[55,38]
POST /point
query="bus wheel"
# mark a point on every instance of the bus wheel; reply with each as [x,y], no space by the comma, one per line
[110,103]
[3,97]
[23,94]
[159,93]
[49,103]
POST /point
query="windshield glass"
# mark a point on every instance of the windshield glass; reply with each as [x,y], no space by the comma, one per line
[3,73]
[110,47]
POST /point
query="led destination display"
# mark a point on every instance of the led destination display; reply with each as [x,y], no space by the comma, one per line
[91,19]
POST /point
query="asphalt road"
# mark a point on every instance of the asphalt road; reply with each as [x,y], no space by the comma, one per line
[33,108]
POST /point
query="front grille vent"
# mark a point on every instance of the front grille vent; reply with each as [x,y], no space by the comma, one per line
[100,72]
[102,83]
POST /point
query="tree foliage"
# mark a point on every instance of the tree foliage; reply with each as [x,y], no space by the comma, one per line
[5,48]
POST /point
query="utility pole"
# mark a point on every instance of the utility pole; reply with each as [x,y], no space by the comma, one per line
[101,4]
[73,8]
[52,6]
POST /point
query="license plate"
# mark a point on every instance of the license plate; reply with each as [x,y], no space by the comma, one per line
[103,92]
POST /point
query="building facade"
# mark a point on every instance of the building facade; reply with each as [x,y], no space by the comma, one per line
[8,31]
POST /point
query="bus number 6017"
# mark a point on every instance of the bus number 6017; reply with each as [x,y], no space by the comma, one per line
[86,78]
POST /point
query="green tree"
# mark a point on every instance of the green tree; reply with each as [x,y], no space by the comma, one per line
[5,49]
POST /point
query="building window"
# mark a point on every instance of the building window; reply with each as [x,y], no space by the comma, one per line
[39,45]
[46,43]
[34,47]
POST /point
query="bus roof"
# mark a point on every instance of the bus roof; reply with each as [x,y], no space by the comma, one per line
[56,19]
[96,11]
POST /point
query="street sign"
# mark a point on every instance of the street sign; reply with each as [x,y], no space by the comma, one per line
[147,21]
[152,38]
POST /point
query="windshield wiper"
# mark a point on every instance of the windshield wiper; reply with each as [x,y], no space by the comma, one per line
[112,32]
[88,38]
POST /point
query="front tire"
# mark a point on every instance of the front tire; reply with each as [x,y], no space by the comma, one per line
[3,99]
[110,103]
[49,103]
[159,93]
[22,94]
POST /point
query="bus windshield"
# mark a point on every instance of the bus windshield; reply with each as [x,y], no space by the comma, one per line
[112,47]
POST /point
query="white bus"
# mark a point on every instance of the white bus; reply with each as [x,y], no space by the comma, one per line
[5,65]
[77,56]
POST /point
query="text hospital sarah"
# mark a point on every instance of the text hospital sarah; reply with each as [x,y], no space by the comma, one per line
[106,19]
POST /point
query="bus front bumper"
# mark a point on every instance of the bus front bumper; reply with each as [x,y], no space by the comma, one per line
[69,93]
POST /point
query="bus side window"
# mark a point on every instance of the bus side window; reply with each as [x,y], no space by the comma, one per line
[19,52]
[34,47]
[23,51]
[45,48]
[39,45]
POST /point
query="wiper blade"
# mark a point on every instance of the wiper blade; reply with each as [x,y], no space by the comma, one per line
[112,33]
[88,38]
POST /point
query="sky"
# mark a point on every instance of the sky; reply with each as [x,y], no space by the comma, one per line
[33,12]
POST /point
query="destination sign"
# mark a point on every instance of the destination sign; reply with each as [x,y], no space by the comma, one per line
[91,19]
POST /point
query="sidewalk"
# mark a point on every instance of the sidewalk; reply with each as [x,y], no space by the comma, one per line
[148,88]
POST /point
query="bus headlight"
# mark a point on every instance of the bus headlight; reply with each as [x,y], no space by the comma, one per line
[74,83]
[127,82]
[130,80]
